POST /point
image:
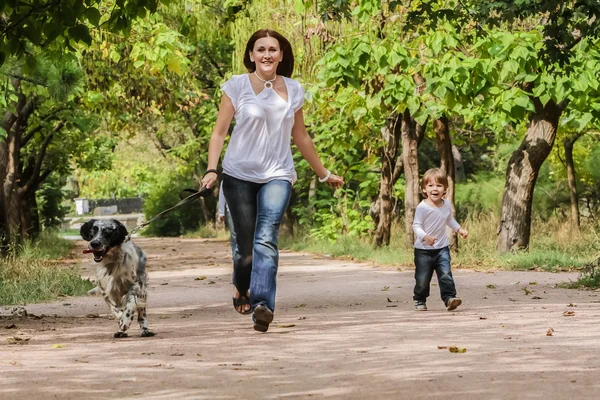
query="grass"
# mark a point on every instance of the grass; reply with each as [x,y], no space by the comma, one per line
[554,247]
[31,274]
[68,232]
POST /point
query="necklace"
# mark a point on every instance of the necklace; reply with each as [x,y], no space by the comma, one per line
[267,83]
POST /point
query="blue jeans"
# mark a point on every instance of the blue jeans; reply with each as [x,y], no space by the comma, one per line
[427,261]
[256,211]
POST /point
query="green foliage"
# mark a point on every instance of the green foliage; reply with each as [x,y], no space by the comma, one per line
[61,24]
[590,276]
[49,200]
[480,195]
[164,194]
[31,274]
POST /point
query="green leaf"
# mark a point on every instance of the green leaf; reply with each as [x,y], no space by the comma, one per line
[80,32]
[93,15]
[545,98]
[522,101]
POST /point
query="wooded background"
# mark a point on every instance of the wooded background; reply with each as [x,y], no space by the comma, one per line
[119,99]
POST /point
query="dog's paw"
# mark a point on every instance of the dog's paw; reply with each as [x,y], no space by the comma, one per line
[94,292]
[147,333]
[121,335]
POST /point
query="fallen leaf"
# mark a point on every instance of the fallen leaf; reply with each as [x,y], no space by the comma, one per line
[569,313]
[177,354]
[482,317]
[442,347]
[286,325]
[571,305]
[516,283]
[58,346]
[536,298]
[200,278]
[198,355]
[300,305]
[533,283]
[93,315]
[393,305]
[163,317]
[385,289]
[491,286]
[301,318]
[211,283]
[17,340]
[14,363]
[163,284]
[454,349]
[550,332]
[527,291]
[391,301]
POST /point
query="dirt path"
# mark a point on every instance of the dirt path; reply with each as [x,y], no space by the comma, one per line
[341,330]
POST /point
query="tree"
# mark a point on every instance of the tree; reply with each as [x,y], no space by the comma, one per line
[542,69]
[26,25]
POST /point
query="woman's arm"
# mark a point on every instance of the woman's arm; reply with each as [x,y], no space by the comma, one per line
[217,138]
[306,146]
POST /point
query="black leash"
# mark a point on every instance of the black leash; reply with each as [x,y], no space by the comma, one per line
[203,192]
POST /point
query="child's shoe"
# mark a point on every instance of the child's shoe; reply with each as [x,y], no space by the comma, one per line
[453,302]
[420,306]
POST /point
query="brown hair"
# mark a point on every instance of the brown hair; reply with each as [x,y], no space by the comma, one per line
[286,66]
[434,175]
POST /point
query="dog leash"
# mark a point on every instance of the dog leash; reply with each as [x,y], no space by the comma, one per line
[203,192]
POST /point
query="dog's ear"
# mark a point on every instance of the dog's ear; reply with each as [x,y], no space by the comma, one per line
[119,234]
[86,230]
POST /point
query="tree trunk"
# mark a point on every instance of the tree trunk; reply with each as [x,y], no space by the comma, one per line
[459,166]
[391,135]
[411,174]
[571,179]
[445,149]
[522,172]
[28,212]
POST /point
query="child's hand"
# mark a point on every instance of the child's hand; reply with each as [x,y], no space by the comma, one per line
[430,240]
[464,233]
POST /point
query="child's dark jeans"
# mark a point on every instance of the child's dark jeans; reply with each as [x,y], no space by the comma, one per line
[427,261]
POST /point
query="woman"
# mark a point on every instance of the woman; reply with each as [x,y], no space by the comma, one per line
[258,169]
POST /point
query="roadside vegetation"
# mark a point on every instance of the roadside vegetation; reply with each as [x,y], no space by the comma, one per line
[37,272]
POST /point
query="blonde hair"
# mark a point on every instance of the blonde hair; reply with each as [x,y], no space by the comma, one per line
[434,175]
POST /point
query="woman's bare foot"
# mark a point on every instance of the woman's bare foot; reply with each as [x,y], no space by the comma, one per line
[241,303]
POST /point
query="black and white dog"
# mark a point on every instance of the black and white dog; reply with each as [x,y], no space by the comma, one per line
[121,276]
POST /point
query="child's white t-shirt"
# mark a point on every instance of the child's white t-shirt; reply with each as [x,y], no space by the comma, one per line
[432,221]
[260,150]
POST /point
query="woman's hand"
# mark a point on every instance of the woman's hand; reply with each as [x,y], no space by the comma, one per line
[335,181]
[209,180]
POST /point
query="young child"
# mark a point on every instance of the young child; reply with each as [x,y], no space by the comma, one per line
[432,251]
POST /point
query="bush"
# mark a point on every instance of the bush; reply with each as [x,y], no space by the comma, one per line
[164,195]
[49,199]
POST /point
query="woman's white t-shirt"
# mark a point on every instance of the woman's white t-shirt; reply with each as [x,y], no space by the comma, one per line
[260,150]
[431,220]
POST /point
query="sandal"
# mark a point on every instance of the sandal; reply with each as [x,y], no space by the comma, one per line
[262,318]
[241,302]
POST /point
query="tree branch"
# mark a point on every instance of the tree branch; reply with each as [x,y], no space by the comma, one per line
[25,139]
[34,179]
